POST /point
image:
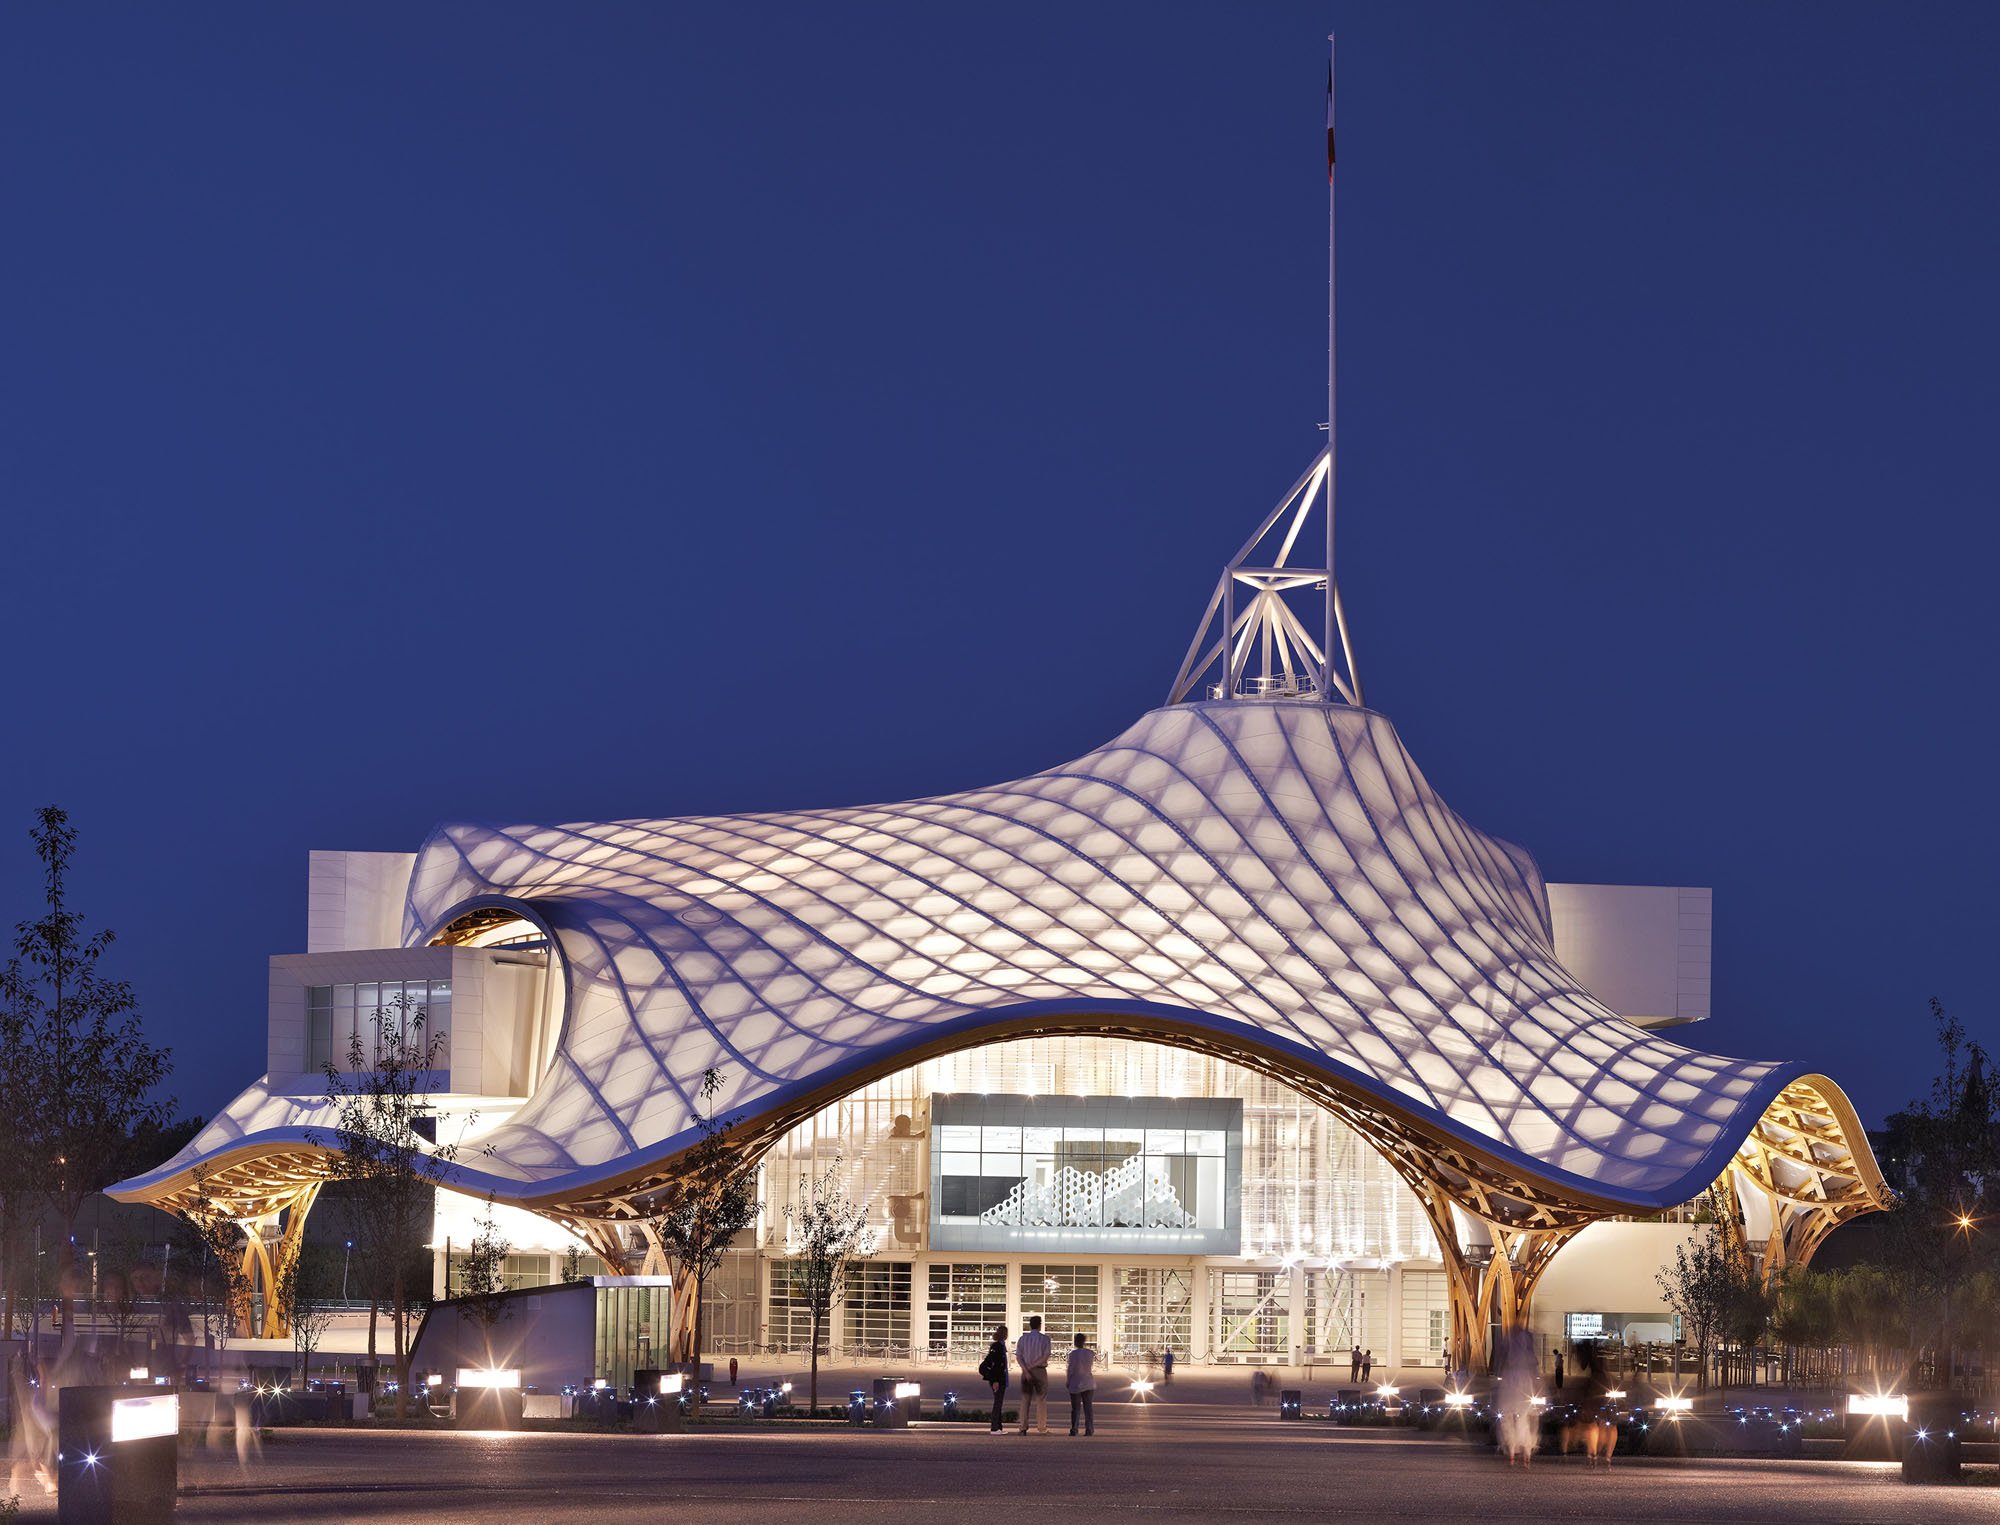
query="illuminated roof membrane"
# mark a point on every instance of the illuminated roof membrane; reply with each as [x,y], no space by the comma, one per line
[1278,871]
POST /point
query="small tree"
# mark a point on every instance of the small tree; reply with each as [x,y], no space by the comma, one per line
[306,1300]
[572,1265]
[1701,1285]
[377,1149]
[827,1230]
[70,1038]
[710,1200]
[485,1275]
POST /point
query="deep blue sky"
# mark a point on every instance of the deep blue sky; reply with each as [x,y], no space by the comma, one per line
[592,411]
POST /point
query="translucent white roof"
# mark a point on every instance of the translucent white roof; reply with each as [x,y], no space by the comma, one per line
[1278,872]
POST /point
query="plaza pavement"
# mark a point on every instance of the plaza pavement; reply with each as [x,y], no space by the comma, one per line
[1177,1460]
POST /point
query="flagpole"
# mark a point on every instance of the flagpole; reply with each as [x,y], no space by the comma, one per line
[1333,632]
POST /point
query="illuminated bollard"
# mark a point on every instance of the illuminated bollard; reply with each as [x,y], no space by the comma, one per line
[118,1462]
[857,1407]
[1289,1403]
[487,1398]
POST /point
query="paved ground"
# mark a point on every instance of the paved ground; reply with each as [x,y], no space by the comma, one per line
[1177,1461]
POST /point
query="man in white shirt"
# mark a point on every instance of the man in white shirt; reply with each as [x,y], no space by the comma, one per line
[1033,1351]
[1082,1384]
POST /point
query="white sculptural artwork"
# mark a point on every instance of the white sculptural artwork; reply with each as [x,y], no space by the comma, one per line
[1125,1196]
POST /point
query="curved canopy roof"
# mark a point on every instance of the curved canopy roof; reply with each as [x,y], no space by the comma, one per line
[1276,876]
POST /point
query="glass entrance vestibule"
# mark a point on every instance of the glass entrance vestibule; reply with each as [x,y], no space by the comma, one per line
[1153,1197]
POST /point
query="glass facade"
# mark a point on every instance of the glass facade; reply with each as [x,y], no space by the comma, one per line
[1308,1185]
[337,1014]
[632,1325]
[964,1300]
[875,1314]
[1066,1298]
[729,1304]
[1155,1314]
[1250,1314]
[1154,1198]
[1080,1173]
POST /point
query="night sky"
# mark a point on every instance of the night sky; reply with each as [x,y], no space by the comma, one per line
[570,412]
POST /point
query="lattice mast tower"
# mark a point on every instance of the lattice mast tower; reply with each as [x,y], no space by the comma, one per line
[1256,638]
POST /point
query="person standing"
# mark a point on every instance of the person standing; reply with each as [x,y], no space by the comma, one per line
[1033,1351]
[1081,1380]
[1354,1364]
[993,1372]
[732,1371]
[1367,1365]
[1166,1364]
[1559,1372]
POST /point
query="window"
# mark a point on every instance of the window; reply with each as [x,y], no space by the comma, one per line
[516,1271]
[1085,1173]
[337,1014]
[1154,1314]
[1065,1297]
[964,1303]
[875,1315]
[1251,1314]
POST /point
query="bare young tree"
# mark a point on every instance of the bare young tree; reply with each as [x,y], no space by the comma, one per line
[1706,1285]
[378,1150]
[70,1038]
[710,1200]
[826,1231]
[305,1299]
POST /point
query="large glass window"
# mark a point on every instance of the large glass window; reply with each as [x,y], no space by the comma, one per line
[963,1304]
[872,1313]
[1308,1184]
[337,1014]
[729,1304]
[1065,1297]
[632,1327]
[1086,1173]
[1347,1307]
[1155,1314]
[1251,1314]
[875,1314]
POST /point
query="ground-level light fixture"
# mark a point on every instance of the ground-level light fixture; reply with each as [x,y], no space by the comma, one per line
[671,1383]
[1879,1405]
[489,1376]
[149,1418]
[1458,1400]
[1387,1390]
[1673,1405]
[1615,1394]
[1141,1388]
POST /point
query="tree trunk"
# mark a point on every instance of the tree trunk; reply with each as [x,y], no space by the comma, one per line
[700,1281]
[812,1401]
[402,1361]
